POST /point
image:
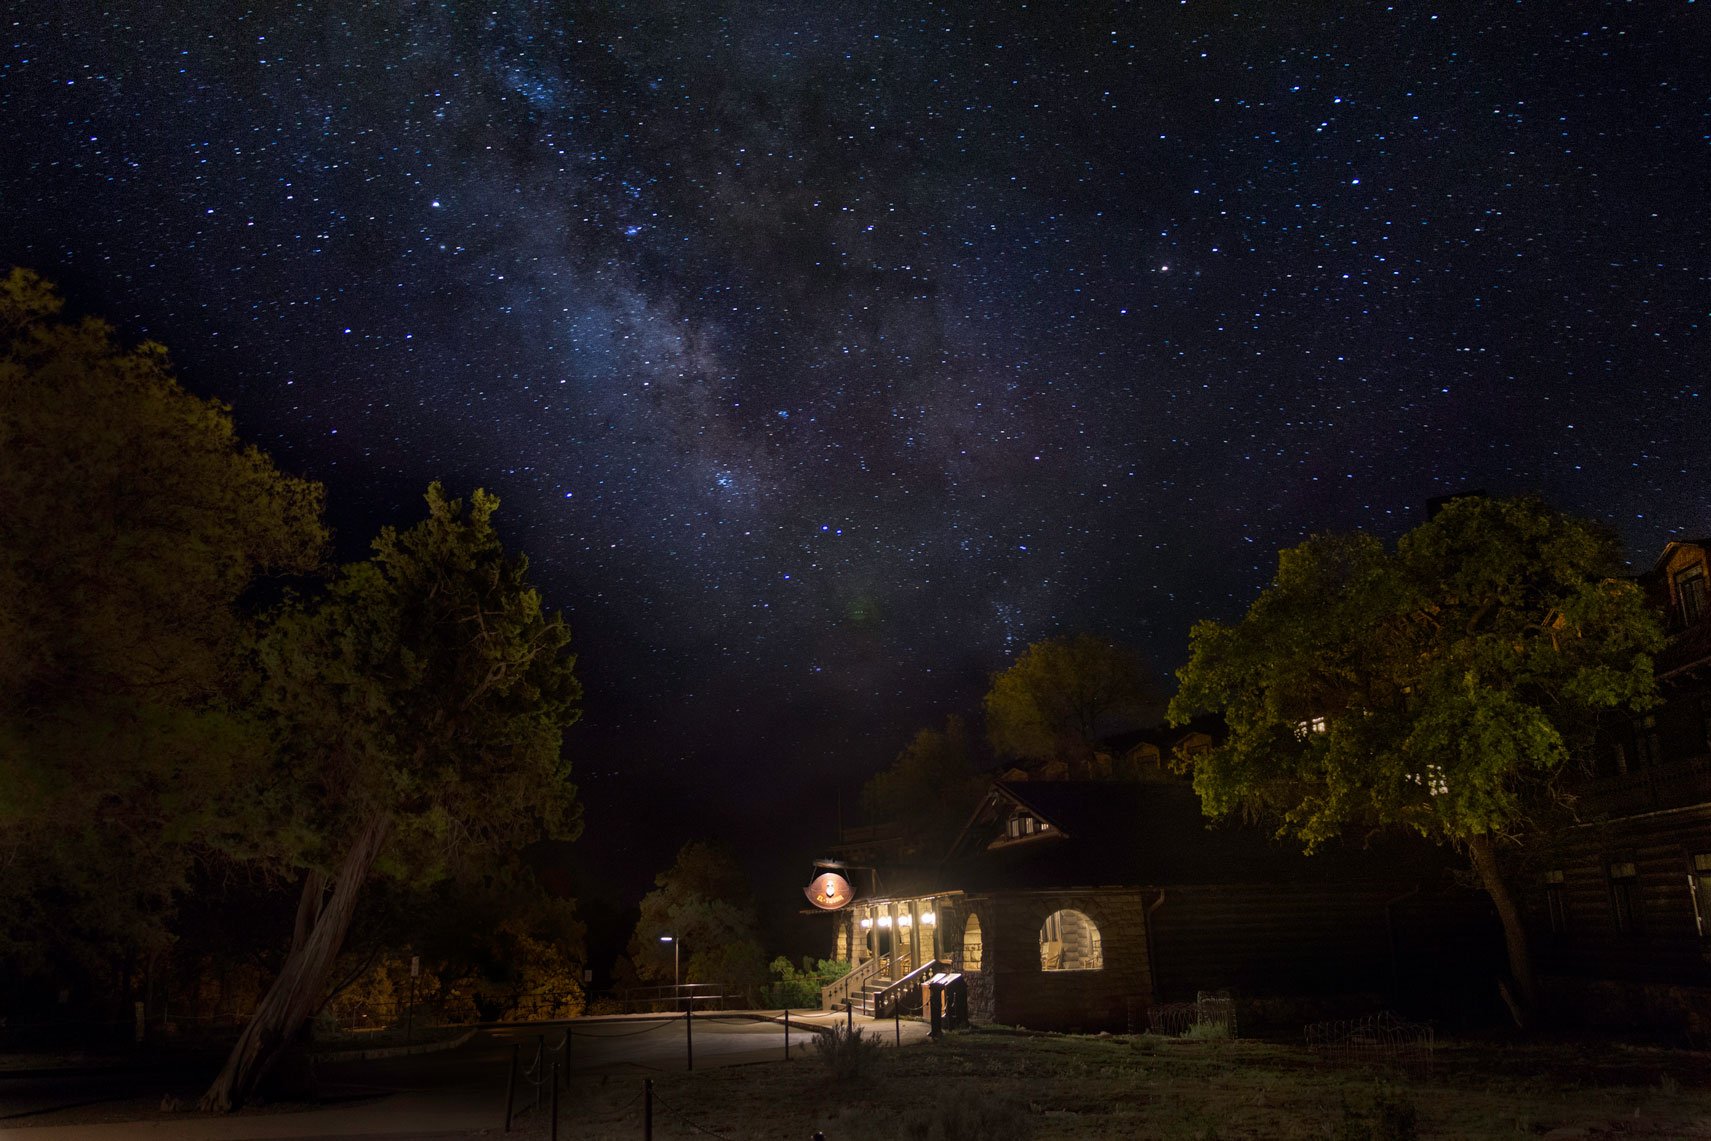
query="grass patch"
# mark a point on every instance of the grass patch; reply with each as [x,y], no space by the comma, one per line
[1011,1087]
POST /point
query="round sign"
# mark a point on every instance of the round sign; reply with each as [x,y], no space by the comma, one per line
[829,891]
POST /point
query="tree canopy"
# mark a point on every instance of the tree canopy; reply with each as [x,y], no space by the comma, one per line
[929,788]
[704,902]
[1440,688]
[134,522]
[418,711]
[1063,694]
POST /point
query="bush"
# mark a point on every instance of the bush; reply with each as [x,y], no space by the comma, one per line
[846,1053]
[800,989]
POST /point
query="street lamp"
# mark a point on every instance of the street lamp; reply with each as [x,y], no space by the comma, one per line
[675,946]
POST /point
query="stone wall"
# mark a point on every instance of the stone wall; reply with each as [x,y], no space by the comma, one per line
[1012,989]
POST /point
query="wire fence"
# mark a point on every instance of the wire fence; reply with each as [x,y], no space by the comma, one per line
[1381,1039]
[1210,1015]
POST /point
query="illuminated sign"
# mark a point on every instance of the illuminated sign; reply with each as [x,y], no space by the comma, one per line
[829,891]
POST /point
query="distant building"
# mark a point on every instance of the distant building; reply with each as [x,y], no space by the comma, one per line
[1076,905]
[1620,898]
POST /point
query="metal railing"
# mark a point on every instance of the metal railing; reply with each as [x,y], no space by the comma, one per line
[839,991]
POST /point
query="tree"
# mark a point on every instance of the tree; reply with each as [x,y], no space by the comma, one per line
[703,901]
[418,710]
[929,789]
[1062,695]
[134,521]
[1440,688]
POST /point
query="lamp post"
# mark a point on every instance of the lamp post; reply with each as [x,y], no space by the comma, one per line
[676,946]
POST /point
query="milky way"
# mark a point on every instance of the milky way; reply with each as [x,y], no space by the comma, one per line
[824,355]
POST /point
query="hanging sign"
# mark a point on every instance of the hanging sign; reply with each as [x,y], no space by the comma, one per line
[829,891]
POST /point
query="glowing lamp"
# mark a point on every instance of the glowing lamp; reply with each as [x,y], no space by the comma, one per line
[885,920]
[866,923]
[904,920]
[928,918]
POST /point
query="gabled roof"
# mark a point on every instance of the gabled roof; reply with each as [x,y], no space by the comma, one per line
[1144,834]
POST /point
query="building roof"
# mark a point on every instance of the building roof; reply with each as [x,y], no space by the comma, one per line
[1146,834]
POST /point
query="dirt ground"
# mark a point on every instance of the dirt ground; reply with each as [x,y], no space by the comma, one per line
[994,1085]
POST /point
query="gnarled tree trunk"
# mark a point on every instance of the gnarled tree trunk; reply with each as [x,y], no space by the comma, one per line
[297,992]
[1483,851]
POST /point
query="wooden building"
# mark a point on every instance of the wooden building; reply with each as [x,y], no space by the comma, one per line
[1076,905]
[1620,899]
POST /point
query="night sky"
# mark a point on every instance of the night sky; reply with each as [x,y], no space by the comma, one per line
[824,355]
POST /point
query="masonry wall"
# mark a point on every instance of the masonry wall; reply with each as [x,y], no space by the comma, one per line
[1012,989]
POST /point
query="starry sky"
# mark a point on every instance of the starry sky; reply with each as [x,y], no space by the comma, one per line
[825,355]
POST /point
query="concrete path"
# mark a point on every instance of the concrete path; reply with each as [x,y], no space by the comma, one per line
[462,1091]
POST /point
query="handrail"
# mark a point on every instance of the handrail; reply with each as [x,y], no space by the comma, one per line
[838,990]
[885,1002]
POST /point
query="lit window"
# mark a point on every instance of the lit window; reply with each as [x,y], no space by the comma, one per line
[1069,941]
[1312,725]
[971,944]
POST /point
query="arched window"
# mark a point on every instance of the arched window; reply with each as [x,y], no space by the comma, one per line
[971,944]
[1070,942]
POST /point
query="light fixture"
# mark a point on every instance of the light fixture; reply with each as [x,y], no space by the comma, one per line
[904,920]
[928,918]
[866,923]
[885,920]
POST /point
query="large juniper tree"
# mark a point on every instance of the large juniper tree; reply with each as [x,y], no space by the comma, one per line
[132,524]
[1441,688]
[418,710]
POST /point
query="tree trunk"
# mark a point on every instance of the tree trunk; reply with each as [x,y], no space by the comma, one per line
[1484,853]
[298,990]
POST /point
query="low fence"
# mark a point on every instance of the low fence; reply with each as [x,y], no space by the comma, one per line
[1381,1039]
[1211,1015]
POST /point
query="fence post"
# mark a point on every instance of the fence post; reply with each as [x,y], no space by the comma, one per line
[897,1020]
[566,1057]
[647,1109]
[510,1087]
[849,1017]
[787,1034]
[540,1069]
[689,1037]
[555,1101]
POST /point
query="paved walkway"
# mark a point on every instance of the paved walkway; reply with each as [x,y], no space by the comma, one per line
[462,1091]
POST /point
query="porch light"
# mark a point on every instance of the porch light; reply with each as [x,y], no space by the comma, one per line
[866,923]
[904,920]
[885,920]
[928,918]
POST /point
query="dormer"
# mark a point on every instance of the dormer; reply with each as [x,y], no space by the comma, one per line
[1682,584]
[1022,825]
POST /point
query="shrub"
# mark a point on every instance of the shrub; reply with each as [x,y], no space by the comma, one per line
[846,1053]
[800,989]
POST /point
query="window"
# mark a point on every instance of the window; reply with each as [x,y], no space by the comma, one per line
[1022,824]
[1305,729]
[971,944]
[1556,904]
[1069,941]
[1699,886]
[1690,594]
[1625,896]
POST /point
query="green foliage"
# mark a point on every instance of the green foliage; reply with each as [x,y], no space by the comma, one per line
[427,686]
[704,901]
[794,989]
[1062,695]
[134,522]
[928,789]
[1455,675]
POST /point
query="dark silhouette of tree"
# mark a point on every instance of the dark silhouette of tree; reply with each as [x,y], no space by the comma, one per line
[1439,688]
[705,903]
[929,789]
[1062,695]
[418,712]
[132,522]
